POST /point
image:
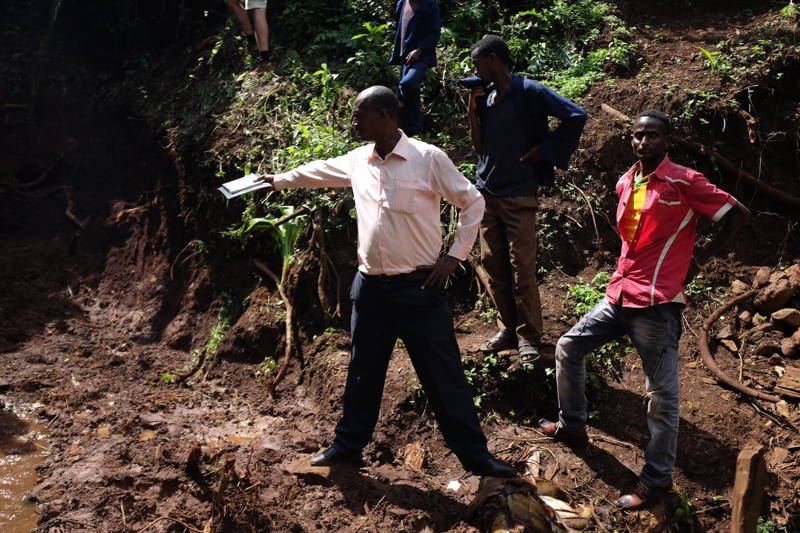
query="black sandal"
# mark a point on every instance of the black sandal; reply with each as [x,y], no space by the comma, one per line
[505,339]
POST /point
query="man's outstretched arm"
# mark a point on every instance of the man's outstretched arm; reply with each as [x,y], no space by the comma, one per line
[334,172]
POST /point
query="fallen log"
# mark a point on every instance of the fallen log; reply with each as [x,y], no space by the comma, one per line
[709,361]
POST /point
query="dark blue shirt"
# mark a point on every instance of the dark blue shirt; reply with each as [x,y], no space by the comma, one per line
[513,125]
[422,32]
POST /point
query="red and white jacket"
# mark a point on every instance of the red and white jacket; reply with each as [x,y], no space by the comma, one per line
[652,267]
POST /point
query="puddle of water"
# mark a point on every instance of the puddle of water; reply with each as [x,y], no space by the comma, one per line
[22,448]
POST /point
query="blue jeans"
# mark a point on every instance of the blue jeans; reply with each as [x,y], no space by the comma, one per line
[655,332]
[411,77]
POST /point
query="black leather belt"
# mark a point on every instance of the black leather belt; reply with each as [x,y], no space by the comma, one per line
[417,275]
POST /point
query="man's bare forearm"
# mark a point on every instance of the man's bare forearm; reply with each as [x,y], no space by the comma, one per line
[731,224]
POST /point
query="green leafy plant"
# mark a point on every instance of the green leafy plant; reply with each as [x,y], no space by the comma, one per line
[717,62]
[483,369]
[768,526]
[683,513]
[286,234]
[267,366]
[790,10]
[228,312]
[369,61]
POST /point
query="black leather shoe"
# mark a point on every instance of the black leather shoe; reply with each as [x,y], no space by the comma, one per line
[495,468]
[334,455]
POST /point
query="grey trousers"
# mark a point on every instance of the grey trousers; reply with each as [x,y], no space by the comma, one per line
[655,332]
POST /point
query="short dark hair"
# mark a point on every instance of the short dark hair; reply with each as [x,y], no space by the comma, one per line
[493,44]
[381,98]
[658,115]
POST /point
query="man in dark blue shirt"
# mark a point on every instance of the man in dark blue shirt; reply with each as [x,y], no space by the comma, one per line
[517,152]
[418,30]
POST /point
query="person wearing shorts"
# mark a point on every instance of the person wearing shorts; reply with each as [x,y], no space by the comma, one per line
[258,30]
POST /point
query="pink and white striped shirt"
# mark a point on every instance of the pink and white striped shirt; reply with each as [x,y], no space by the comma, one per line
[398,202]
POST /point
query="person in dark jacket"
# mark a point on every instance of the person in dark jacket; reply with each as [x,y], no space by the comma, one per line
[508,121]
[418,30]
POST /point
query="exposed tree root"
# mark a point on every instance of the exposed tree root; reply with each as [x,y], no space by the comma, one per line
[480,272]
[769,190]
[772,192]
[326,268]
[70,205]
[591,211]
[178,255]
[289,348]
[709,361]
[55,9]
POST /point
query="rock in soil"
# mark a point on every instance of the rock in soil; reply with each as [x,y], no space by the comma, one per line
[775,359]
[788,316]
[767,346]
[745,318]
[738,287]
[730,345]
[726,333]
[774,296]
[790,346]
[793,274]
[762,277]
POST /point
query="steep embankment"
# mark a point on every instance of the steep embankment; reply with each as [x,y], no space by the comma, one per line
[111,286]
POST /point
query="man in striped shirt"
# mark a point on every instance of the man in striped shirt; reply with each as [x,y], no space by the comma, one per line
[659,205]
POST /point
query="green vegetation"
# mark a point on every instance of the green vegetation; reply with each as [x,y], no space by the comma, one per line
[267,366]
[683,514]
[229,311]
[486,309]
[768,526]
[717,62]
[791,11]
[285,231]
[481,370]
[751,54]
[274,121]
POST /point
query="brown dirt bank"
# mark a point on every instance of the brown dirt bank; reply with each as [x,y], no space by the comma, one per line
[93,317]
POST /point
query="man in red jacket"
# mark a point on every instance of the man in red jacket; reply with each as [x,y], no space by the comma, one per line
[659,205]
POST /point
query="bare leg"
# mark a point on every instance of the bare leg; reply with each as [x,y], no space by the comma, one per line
[240,15]
[262,29]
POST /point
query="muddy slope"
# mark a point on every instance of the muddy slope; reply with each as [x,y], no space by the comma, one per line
[104,296]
